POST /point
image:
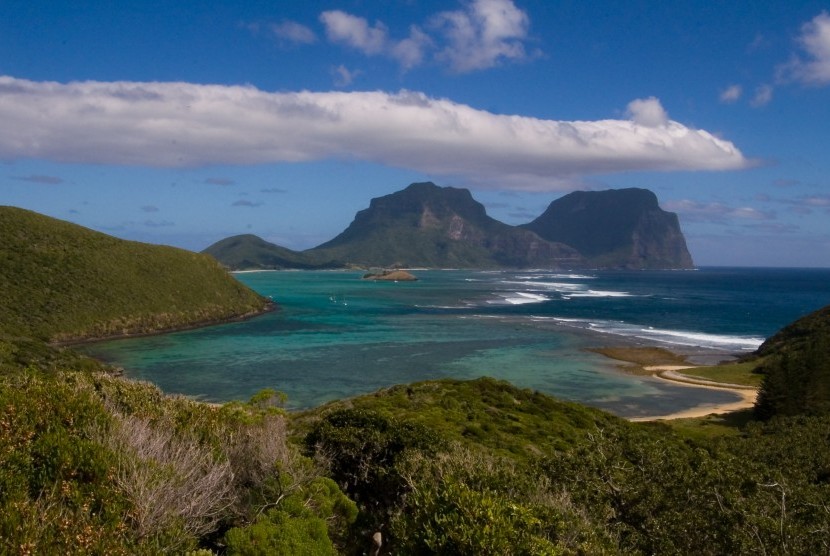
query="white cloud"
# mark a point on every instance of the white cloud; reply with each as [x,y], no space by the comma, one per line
[343,77]
[647,112]
[181,124]
[814,68]
[355,32]
[291,31]
[410,52]
[482,34]
[763,96]
[731,94]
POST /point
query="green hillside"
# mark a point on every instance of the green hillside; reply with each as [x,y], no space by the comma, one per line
[60,281]
[796,368]
[249,252]
[484,412]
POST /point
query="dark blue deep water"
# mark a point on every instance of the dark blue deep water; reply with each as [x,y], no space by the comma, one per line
[336,335]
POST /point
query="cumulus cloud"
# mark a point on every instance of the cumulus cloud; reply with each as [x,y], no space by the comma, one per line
[39,178]
[813,65]
[374,40]
[354,31]
[647,112]
[731,94]
[482,34]
[187,125]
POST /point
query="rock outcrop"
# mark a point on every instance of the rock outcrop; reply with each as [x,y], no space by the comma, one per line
[391,276]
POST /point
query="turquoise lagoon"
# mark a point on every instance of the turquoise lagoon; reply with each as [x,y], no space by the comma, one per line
[337,336]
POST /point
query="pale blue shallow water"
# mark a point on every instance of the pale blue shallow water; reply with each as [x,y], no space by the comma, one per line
[336,336]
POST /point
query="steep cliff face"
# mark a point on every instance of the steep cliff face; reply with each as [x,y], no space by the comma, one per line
[427,225]
[444,227]
[623,228]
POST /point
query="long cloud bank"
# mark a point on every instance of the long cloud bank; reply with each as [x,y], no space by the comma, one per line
[184,124]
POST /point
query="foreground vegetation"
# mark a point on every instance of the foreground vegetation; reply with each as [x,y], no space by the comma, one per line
[95,464]
[91,463]
[574,480]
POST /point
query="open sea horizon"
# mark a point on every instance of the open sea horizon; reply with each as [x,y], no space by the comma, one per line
[336,336]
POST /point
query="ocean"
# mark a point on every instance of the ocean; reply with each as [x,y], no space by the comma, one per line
[336,336]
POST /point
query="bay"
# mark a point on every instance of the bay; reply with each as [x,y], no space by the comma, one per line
[336,336]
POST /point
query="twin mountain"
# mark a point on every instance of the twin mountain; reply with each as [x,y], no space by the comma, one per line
[429,226]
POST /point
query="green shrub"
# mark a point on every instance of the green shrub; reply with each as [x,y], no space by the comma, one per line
[298,525]
[464,501]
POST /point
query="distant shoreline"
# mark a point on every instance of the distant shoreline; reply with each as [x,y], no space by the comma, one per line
[747,398]
[663,364]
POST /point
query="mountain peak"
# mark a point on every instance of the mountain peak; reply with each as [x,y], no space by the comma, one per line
[425,225]
[624,228]
[428,225]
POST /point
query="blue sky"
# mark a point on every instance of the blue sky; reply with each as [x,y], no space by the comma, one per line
[183,123]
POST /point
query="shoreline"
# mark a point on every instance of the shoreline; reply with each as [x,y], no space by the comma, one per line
[663,364]
[746,394]
[270,307]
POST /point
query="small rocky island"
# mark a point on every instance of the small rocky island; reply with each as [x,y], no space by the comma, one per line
[391,276]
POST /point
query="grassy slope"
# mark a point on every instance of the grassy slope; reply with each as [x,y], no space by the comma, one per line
[59,281]
[730,373]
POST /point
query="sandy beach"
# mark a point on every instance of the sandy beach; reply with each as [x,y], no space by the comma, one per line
[667,365]
[670,373]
